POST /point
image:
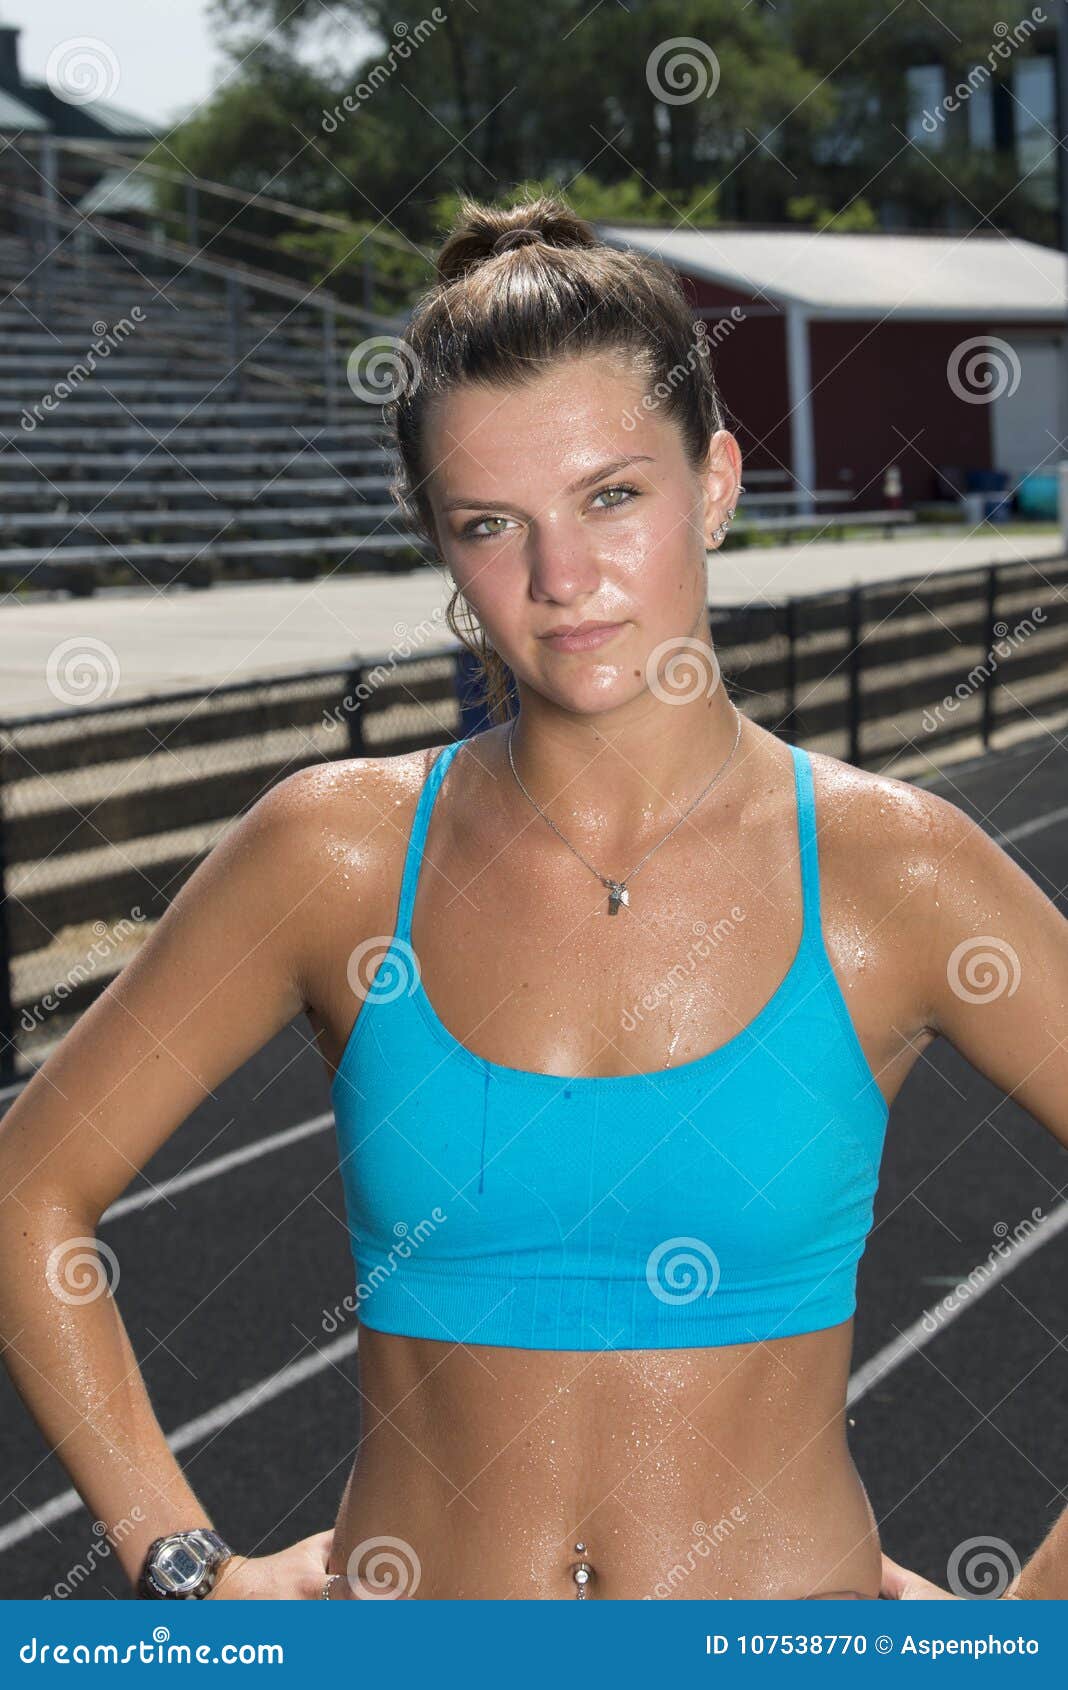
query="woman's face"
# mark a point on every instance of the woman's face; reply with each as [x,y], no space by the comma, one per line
[569,500]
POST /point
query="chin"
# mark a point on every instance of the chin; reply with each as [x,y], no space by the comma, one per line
[595,696]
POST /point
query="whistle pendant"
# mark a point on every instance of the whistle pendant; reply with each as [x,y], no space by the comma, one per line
[617,894]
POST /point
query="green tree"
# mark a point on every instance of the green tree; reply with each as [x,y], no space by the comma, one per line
[669,111]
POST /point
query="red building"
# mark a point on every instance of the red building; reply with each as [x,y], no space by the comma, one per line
[839,355]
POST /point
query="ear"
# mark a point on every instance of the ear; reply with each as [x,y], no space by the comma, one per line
[721,475]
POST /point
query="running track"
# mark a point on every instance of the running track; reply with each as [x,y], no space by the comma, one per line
[233,1250]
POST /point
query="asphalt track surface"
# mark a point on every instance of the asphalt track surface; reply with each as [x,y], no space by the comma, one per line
[232,1248]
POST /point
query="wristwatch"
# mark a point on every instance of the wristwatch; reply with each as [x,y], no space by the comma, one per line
[183,1564]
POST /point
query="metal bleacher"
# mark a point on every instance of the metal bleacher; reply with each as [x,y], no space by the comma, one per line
[219,435]
[216,436]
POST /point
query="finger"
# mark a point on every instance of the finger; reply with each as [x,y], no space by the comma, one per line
[320,1544]
[896,1580]
[905,1586]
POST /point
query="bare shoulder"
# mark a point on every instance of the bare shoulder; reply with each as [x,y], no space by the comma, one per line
[981,947]
[892,824]
[905,872]
[350,803]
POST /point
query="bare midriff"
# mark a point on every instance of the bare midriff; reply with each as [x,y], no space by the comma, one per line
[720,1472]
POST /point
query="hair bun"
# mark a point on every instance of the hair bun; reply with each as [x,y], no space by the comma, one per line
[483,232]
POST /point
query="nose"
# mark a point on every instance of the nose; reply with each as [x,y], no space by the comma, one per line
[563,561]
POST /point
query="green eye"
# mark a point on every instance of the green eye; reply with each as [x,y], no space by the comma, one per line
[471,531]
[618,487]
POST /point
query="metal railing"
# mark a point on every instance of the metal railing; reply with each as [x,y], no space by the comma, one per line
[210,214]
[105,812]
[311,312]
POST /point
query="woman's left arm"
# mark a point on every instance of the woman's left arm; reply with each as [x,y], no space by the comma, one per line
[995,981]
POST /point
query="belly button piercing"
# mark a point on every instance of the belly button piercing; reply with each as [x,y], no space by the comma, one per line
[580,1572]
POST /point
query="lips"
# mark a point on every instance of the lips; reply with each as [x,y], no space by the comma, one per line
[584,637]
[579,628]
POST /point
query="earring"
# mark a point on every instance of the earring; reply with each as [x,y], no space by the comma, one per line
[723,527]
[719,532]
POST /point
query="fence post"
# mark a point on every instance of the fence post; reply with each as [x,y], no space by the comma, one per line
[192,220]
[330,359]
[234,310]
[8,1052]
[856,620]
[354,712]
[988,690]
[790,679]
[50,192]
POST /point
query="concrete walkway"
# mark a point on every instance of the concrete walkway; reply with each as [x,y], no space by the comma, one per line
[59,653]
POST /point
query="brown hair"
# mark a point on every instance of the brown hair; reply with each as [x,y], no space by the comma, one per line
[503,309]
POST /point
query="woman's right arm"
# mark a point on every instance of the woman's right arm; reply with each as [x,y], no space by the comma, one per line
[225,969]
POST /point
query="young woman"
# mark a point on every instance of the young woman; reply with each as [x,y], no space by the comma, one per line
[616,996]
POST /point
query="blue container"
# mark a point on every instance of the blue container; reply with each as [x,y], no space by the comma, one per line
[1036,495]
[987,480]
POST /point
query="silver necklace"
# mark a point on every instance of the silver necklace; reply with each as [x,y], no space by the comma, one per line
[617,889]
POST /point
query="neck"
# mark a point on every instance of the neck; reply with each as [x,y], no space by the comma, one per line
[605,781]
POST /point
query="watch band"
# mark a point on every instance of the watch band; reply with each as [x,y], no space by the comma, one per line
[203,1543]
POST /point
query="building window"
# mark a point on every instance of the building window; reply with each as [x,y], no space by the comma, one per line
[981,116]
[1034,115]
[925,87]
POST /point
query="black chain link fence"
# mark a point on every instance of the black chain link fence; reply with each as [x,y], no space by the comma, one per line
[106,811]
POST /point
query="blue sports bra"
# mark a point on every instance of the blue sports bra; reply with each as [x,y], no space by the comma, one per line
[722,1201]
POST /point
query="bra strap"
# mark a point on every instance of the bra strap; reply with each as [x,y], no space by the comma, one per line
[808,843]
[417,838]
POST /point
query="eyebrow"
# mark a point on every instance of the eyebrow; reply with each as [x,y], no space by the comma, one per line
[461,502]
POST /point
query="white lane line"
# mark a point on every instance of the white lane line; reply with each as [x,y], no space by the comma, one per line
[298,1372]
[1024,829]
[220,1165]
[244,1402]
[914,1337]
[883,1362]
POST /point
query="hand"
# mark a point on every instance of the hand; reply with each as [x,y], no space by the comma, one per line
[904,1586]
[292,1574]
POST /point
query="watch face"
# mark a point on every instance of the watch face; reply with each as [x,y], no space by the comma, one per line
[177,1567]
